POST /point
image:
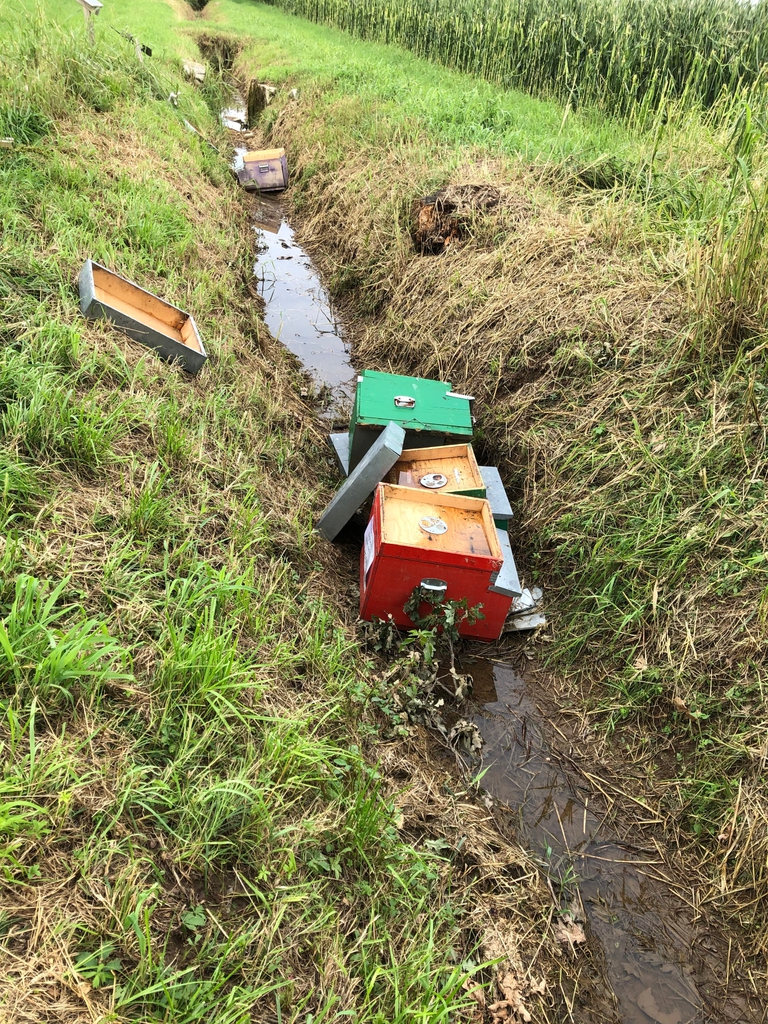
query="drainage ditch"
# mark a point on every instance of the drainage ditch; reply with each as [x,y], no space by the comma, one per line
[654,959]
[662,963]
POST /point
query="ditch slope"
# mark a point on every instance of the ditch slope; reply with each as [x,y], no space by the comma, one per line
[634,454]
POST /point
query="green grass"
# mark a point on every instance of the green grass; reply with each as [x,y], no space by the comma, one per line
[610,316]
[192,826]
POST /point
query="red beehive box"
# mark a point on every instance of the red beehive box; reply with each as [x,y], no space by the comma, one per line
[413,536]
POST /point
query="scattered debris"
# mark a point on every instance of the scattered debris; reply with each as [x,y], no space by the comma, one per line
[194,71]
[234,118]
[569,932]
[526,611]
[466,736]
[7,143]
[462,685]
[294,94]
[442,217]
[173,99]
[435,485]
[500,942]
[141,315]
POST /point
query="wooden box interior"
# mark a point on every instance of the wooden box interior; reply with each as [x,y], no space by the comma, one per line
[456,461]
[470,525]
[148,309]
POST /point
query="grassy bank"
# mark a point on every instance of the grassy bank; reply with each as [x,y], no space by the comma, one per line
[612,326]
[199,818]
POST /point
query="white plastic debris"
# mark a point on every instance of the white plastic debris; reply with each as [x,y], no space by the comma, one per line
[526,611]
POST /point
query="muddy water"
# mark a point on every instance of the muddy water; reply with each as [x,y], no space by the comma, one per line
[298,309]
[659,964]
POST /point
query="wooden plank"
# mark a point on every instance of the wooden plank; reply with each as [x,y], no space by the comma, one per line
[362,481]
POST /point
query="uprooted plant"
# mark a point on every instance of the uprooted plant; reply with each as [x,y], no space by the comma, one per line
[408,691]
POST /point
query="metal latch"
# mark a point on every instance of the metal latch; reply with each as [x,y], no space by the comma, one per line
[404,402]
[263,168]
[433,586]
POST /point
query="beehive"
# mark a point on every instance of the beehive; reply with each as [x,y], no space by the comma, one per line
[141,315]
[265,170]
[413,536]
[446,469]
[428,410]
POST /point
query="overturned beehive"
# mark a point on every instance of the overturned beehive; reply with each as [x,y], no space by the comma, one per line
[443,218]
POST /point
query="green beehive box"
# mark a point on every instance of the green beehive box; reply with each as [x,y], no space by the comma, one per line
[428,410]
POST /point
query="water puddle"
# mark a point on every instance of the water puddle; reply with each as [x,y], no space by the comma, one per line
[235,116]
[298,309]
[661,964]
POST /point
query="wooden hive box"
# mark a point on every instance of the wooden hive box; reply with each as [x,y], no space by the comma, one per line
[265,170]
[446,469]
[141,315]
[400,551]
[428,410]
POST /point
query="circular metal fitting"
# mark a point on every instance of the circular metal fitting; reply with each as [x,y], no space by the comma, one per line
[434,481]
[434,586]
[433,524]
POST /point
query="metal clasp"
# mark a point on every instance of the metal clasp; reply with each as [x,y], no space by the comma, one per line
[263,168]
[404,402]
[433,586]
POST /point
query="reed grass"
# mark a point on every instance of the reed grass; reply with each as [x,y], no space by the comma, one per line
[626,57]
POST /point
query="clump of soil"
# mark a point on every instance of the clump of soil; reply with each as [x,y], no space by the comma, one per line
[442,218]
[220,51]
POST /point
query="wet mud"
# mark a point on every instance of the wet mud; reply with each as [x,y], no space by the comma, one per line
[652,958]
